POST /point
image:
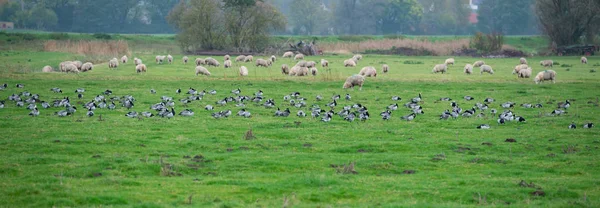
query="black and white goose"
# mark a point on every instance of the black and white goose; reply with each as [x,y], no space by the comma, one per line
[588,125]
[244,113]
[468,98]
[259,93]
[348,97]
[417,99]
[20,85]
[128,104]
[178,91]
[132,114]
[90,113]
[363,116]
[335,97]
[111,106]
[396,98]
[386,115]
[45,105]
[350,117]
[393,107]
[31,106]
[489,100]
[79,96]
[319,97]
[212,92]
[539,105]
[170,114]
[445,99]
[108,92]
[270,103]
[152,91]
[236,91]
[79,90]
[209,107]
[62,113]
[4,86]
[34,112]
[501,121]
[564,105]
[483,126]
[186,112]
[301,113]
[507,105]
[326,118]
[572,126]
[519,119]
[409,117]
[56,90]
[527,105]
[147,114]
[558,112]
[192,91]
[1,103]
[333,103]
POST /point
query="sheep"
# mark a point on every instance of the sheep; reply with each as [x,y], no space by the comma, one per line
[201,70]
[226,57]
[357,57]
[525,73]
[449,61]
[243,71]
[302,63]
[124,59]
[523,61]
[113,64]
[87,67]
[71,68]
[583,60]
[170,59]
[385,68]
[200,61]
[547,63]
[299,57]
[185,59]
[273,58]
[545,75]
[440,68]
[311,64]
[249,58]
[78,64]
[269,62]
[519,68]
[47,69]
[478,64]
[349,63]
[324,63]
[137,61]
[354,80]
[288,54]
[262,62]
[368,71]
[468,69]
[240,58]
[227,64]
[61,66]
[298,71]
[141,68]
[314,71]
[160,59]
[285,69]
[212,62]
[486,68]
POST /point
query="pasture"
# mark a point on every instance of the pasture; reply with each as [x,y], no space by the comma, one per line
[111,160]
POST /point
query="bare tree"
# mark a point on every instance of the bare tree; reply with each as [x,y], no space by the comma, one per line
[567,21]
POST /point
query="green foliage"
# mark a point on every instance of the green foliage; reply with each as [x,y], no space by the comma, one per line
[487,42]
[507,17]
[102,36]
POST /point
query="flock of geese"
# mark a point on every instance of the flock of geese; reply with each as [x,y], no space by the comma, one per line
[165,107]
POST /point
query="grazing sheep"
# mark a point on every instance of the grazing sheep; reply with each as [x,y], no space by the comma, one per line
[61,66]
[545,75]
[78,64]
[124,59]
[47,69]
[243,71]
[519,68]
[357,57]
[113,64]
[212,62]
[249,58]
[273,58]
[299,57]
[87,67]
[288,54]
[137,61]
[262,62]
[354,80]
[583,60]
[302,63]
[185,59]
[443,68]
[525,73]
[269,62]
[468,69]
[141,68]
[298,71]
[349,63]
[285,69]
[200,61]
[478,64]
[368,71]
[486,68]
[385,68]
[71,68]
[314,71]
[160,59]
[226,57]
[227,64]
[240,58]
[201,70]
[449,61]
[523,61]
[324,63]
[311,64]
[170,59]
[547,63]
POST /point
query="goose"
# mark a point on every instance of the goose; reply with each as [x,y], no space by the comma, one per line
[31,100]
[45,104]
[488,100]
[417,99]
[20,85]
[128,104]
[71,109]
[170,104]
[202,93]
[170,114]
[152,91]
[240,105]
[363,116]
[108,92]
[410,105]
[326,118]
[178,91]
[186,112]
[348,97]
[350,117]
[131,114]
[56,90]
[20,103]
[4,86]
[409,117]
[445,99]
[446,115]
[519,119]
[192,91]
[558,112]
[343,113]
[236,91]
[539,105]
[315,113]
[483,126]
[335,97]
[453,104]
[244,113]
[295,94]
[527,105]
[62,113]
[79,96]
[480,115]
[396,98]
[468,98]
[90,113]
[111,106]
[386,115]
[209,107]
[357,106]
[102,105]
[212,92]
[588,125]
[501,121]
[166,98]
[332,104]
[227,113]
[564,105]
[418,110]
[508,105]
[34,112]
[300,104]
[287,97]
[572,126]
[259,93]
[393,107]
[270,103]
[99,98]
[319,97]
[494,111]
[35,96]
[31,106]
[301,113]
[147,114]
[216,115]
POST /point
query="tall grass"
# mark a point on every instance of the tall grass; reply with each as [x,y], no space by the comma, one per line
[437,48]
[111,48]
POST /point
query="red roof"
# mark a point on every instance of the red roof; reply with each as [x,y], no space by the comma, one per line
[473,18]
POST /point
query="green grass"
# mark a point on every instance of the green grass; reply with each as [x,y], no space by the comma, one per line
[51,161]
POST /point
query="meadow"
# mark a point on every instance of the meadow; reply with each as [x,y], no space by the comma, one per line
[111,160]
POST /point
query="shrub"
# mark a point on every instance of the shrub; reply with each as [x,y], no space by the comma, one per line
[487,42]
[102,36]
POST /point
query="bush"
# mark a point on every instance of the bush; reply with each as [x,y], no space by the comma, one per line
[487,42]
[59,36]
[102,36]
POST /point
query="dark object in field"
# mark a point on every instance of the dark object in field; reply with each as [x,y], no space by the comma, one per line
[96,156]
[538,193]
[487,143]
[97,174]
[249,135]
[408,172]
[510,140]
[523,183]
[363,150]
[57,141]
[345,169]
[307,145]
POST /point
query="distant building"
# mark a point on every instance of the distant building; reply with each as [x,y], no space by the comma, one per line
[7,26]
[474,5]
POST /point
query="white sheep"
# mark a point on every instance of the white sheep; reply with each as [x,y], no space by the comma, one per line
[523,61]
[273,58]
[468,69]
[302,63]
[227,64]
[583,60]
[201,70]
[299,57]
[349,63]
[443,68]
[486,68]
[47,69]
[226,57]
[212,62]
[357,57]
[449,61]
[311,64]
[354,80]
[547,63]
[137,61]
[141,68]
[88,66]
[324,63]
[78,64]
[478,64]
[262,62]
[368,71]
[314,71]
[61,66]
[113,64]
[160,59]
[298,71]
[170,59]
[288,54]
[240,58]
[249,58]
[269,62]
[525,73]
[545,75]
[124,59]
[243,71]
[185,59]
[71,68]
[285,69]
[519,68]
[200,61]
[385,68]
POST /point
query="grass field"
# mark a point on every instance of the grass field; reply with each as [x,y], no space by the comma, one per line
[78,161]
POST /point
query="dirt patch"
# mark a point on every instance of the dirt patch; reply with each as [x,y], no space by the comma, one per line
[511,140]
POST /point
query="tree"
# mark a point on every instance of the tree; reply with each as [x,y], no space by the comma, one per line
[43,18]
[396,16]
[307,16]
[507,17]
[445,17]
[566,21]
[200,23]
